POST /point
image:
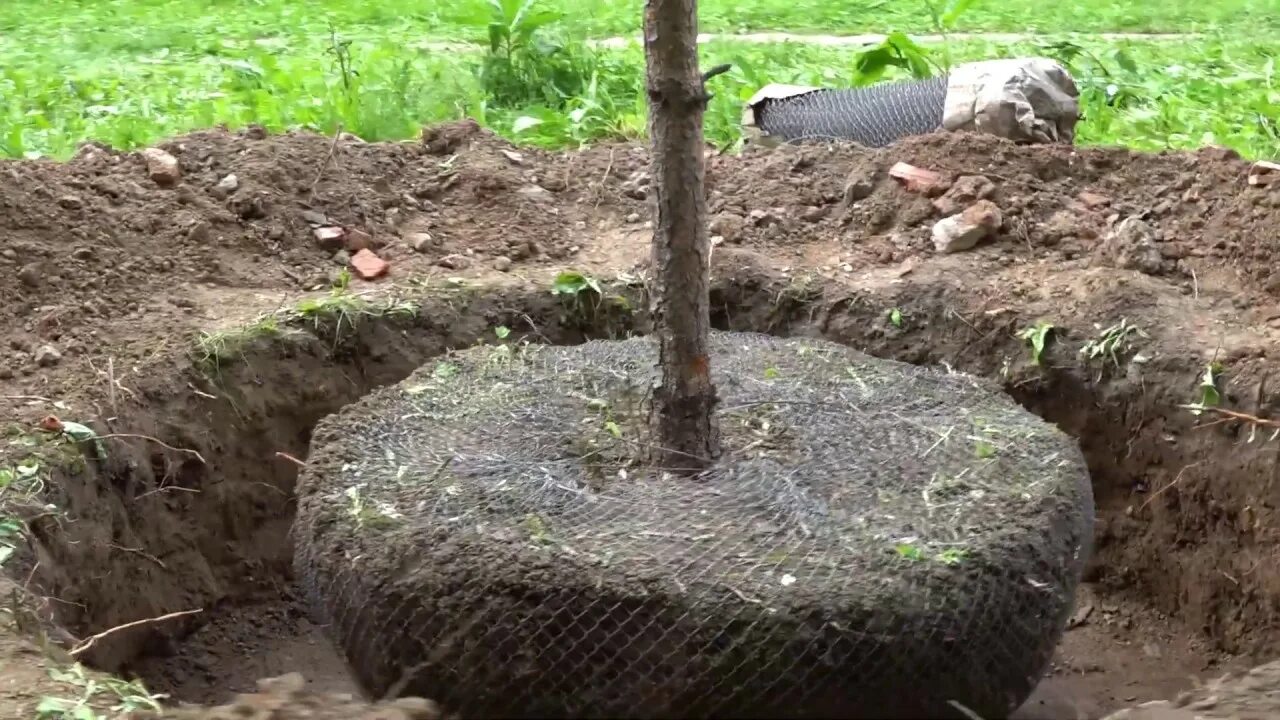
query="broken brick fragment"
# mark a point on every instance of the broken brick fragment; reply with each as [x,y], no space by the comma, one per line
[368,266]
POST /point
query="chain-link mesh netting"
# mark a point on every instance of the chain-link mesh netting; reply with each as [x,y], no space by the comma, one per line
[879,540]
[873,116]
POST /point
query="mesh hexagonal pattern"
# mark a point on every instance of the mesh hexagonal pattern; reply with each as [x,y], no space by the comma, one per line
[873,116]
[878,539]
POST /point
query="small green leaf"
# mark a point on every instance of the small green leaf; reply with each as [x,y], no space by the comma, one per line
[1209,393]
[770,373]
[950,556]
[445,370]
[953,13]
[909,551]
[502,331]
[571,282]
[1037,337]
[895,317]
[613,429]
[984,449]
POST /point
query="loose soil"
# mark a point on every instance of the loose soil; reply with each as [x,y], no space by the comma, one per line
[110,276]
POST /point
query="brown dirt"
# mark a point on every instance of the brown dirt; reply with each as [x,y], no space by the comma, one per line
[117,273]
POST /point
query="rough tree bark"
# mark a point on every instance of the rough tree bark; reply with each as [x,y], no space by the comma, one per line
[684,403]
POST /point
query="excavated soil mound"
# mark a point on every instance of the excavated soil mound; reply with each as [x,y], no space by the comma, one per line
[111,263]
[103,251]
[880,540]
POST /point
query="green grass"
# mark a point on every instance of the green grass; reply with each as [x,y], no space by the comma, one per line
[131,73]
[97,26]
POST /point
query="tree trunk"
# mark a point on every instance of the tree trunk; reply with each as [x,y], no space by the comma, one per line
[684,403]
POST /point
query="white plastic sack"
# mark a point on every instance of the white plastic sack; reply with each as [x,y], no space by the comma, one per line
[1022,99]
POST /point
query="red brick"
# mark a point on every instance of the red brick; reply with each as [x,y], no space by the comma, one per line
[369,266]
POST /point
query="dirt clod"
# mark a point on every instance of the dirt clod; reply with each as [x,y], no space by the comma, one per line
[1131,245]
[967,190]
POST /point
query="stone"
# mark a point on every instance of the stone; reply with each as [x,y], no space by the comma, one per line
[342,257]
[369,266]
[961,232]
[30,275]
[417,708]
[314,218]
[420,241]
[967,190]
[632,218]
[454,262]
[502,263]
[70,202]
[330,237]
[813,213]
[47,356]
[227,185]
[162,167]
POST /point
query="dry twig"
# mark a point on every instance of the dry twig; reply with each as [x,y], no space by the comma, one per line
[161,443]
[292,459]
[1242,417]
[324,165]
[84,647]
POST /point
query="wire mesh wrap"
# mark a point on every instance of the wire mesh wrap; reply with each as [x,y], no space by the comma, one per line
[873,116]
[878,540]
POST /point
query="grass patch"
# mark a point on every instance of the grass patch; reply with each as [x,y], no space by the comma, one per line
[97,697]
[197,26]
[130,73]
[217,348]
[333,316]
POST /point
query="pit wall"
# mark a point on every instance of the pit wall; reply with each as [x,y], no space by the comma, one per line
[1183,512]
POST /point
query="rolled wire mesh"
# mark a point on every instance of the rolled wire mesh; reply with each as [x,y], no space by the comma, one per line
[873,116]
[878,540]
